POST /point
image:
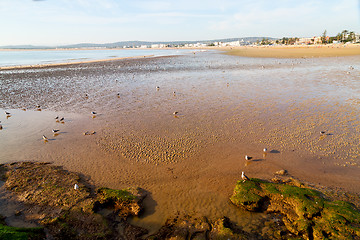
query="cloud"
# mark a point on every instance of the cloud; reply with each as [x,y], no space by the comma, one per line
[281,19]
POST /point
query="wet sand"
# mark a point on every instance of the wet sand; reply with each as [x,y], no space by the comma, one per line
[308,51]
[228,107]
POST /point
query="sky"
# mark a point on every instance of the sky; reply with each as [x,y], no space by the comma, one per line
[59,22]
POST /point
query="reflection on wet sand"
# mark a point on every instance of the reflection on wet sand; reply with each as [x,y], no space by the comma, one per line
[187,149]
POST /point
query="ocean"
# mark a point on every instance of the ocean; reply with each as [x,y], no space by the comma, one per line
[39,57]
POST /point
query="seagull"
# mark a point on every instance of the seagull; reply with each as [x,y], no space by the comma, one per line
[0,127]
[57,117]
[7,113]
[244,177]
[265,150]
[157,87]
[45,138]
[247,157]
[76,187]
[93,113]
[86,95]
[175,113]
[62,119]
[55,130]
[322,132]
[118,95]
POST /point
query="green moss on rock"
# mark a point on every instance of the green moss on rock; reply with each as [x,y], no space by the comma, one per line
[305,212]
[106,194]
[125,202]
[16,233]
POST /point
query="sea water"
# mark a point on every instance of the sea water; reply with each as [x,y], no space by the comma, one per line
[54,56]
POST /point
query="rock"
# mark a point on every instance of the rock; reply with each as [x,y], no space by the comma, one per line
[132,232]
[125,202]
[281,172]
[305,212]
[68,213]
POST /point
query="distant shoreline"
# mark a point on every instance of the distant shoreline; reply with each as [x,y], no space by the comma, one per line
[307,51]
[70,63]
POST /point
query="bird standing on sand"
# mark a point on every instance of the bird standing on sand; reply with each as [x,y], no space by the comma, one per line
[175,113]
[62,119]
[45,138]
[157,88]
[93,113]
[55,130]
[265,150]
[7,113]
[244,177]
[0,127]
[247,157]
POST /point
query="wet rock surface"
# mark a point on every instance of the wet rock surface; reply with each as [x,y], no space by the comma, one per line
[305,212]
[46,195]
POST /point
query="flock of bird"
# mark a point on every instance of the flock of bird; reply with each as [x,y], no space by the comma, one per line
[57,118]
[62,119]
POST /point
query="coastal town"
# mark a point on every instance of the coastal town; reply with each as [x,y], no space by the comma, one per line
[345,37]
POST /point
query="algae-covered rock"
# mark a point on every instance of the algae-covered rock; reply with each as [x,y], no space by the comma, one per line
[223,229]
[305,211]
[68,213]
[126,202]
[44,184]
[7,232]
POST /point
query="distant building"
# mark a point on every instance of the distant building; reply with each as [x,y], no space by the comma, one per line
[158,45]
[304,41]
[316,40]
[357,37]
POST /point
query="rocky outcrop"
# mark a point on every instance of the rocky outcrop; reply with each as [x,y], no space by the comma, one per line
[69,212]
[306,213]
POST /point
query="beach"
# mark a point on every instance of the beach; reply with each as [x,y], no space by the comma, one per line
[228,107]
[299,51]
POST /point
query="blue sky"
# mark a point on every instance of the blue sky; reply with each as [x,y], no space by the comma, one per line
[54,22]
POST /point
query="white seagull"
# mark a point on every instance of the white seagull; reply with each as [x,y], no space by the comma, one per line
[76,187]
[93,113]
[265,150]
[248,157]
[45,138]
[7,113]
[55,130]
[244,177]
